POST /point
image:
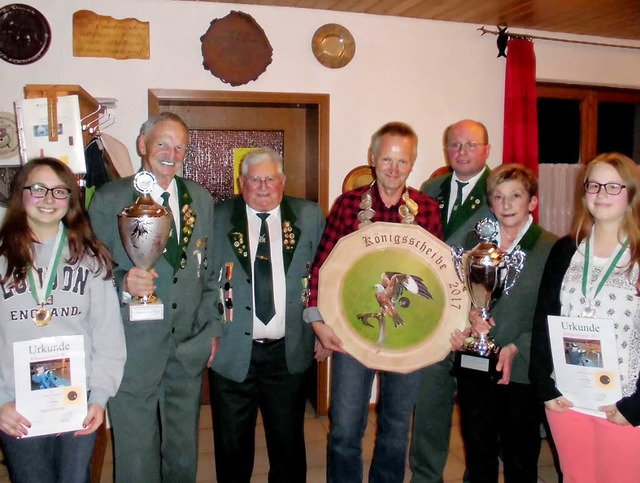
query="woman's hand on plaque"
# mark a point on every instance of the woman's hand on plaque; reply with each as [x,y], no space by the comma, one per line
[139,282]
[12,422]
[559,404]
[505,362]
[479,326]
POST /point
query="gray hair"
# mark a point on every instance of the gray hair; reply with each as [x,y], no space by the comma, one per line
[150,123]
[394,129]
[261,155]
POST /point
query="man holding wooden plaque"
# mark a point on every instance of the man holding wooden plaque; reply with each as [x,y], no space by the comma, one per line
[392,154]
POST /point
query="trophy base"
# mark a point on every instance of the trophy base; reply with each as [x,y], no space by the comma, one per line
[470,364]
[140,311]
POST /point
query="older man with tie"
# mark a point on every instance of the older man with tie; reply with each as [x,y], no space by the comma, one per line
[156,411]
[263,251]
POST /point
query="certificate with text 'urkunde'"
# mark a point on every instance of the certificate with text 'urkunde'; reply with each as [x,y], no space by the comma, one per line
[51,386]
[585,361]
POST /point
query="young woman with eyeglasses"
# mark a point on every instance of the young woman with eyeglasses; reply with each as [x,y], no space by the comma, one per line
[56,281]
[594,273]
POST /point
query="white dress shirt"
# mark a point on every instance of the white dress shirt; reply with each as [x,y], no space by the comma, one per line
[276,327]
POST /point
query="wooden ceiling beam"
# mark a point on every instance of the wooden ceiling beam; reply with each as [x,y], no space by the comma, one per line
[603,18]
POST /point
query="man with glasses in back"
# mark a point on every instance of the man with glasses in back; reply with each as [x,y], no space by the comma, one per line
[462,199]
[263,249]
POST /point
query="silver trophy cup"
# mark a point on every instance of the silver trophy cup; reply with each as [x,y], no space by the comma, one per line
[144,228]
[487,272]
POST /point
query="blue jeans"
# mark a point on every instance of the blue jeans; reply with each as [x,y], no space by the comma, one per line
[49,459]
[350,395]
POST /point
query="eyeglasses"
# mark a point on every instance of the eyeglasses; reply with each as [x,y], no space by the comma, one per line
[256,181]
[40,191]
[468,146]
[594,187]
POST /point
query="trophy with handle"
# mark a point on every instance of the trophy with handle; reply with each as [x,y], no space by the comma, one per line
[487,272]
[144,228]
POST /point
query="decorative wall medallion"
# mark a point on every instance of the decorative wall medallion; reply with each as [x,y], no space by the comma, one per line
[357,177]
[25,34]
[8,140]
[235,49]
[333,45]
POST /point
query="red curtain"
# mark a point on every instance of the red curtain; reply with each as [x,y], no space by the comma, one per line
[521,106]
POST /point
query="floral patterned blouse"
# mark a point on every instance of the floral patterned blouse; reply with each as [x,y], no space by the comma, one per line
[617,300]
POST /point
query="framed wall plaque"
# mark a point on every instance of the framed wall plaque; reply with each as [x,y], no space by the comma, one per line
[391,293]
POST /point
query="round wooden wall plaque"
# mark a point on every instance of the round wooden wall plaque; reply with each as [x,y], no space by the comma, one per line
[410,273]
[235,49]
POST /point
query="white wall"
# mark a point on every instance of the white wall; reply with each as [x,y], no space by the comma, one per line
[426,73]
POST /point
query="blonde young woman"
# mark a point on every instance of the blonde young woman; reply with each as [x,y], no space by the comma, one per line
[593,273]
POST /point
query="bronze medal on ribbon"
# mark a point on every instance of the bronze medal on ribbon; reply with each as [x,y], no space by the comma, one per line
[42,317]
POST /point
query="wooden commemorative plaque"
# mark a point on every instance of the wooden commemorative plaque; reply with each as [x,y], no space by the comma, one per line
[391,293]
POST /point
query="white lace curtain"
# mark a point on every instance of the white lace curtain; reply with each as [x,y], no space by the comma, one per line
[556,190]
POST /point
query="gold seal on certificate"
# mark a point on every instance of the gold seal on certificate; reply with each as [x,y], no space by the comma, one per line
[144,229]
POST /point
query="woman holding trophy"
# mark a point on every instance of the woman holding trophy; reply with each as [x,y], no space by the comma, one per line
[59,310]
[499,413]
[592,276]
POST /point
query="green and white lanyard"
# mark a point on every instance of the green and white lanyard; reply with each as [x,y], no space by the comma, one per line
[41,293]
[591,290]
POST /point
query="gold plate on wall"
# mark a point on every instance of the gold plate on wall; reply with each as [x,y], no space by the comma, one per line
[333,45]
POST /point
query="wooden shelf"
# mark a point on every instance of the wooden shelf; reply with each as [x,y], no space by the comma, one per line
[89,106]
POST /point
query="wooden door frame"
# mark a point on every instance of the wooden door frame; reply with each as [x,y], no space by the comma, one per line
[158,98]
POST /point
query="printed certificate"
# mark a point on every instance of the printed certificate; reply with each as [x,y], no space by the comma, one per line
[51,383]
[585,362]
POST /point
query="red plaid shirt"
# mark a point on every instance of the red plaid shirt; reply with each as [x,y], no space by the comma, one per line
[343,220]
